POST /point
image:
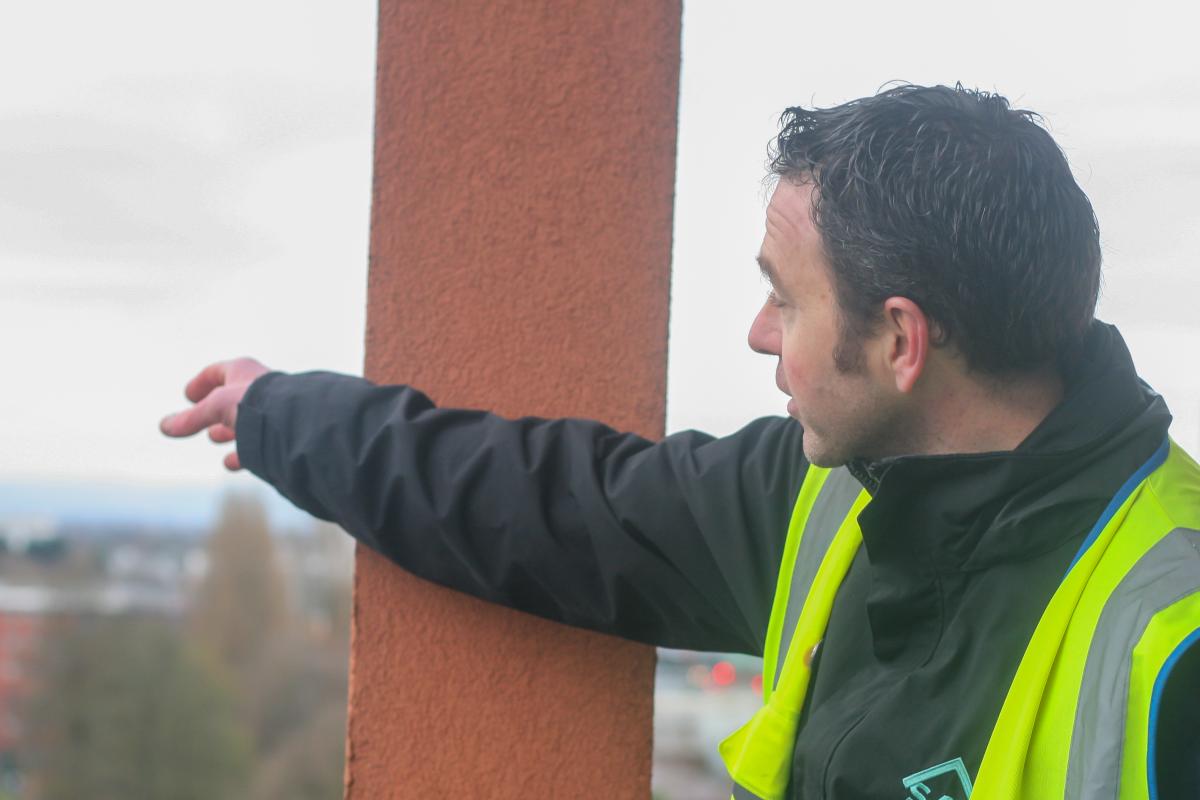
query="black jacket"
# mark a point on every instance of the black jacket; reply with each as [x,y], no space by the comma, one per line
[677,543]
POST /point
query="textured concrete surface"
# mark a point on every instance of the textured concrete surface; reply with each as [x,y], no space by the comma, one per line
[520,250]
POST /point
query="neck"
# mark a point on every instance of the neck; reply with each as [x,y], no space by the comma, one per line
[969,414]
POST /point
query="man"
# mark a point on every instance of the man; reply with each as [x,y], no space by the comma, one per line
[971,565]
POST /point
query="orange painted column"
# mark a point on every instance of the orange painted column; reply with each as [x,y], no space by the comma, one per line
[520,251]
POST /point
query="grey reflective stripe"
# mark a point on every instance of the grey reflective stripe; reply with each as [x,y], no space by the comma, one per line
[1164,575]
[742,793]
[838,494]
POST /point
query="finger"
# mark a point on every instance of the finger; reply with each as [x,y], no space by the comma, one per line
[208,379]
[221,433]
[232,463]
[209,411]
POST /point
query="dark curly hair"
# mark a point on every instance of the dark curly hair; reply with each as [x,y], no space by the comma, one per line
[949,197]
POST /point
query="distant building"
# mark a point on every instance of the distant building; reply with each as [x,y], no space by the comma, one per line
[19,533]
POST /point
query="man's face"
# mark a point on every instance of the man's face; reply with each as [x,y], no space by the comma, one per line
[846,412]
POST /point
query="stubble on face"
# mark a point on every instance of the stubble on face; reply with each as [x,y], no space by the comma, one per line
[871,423]
[849,355]
[866,429]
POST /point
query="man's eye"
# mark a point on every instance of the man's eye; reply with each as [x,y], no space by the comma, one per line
[773,299]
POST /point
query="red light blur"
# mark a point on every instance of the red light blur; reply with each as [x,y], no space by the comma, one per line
[756,684]
[723,673]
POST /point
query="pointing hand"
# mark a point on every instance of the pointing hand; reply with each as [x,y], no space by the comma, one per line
[216,392]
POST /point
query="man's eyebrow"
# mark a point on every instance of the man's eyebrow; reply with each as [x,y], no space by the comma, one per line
[768,270]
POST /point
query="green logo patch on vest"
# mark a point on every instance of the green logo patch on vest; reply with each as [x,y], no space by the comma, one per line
[946,781]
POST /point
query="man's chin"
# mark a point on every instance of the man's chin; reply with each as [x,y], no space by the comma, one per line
[820,456]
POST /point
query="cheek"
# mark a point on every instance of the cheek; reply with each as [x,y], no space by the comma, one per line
[800,360]
[799,378]
[808,343]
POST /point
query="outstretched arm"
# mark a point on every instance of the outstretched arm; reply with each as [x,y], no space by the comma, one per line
[674,543]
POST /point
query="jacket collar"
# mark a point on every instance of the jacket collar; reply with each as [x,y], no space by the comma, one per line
[963,512]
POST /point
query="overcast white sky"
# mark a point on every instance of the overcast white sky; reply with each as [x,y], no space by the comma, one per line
[183,182]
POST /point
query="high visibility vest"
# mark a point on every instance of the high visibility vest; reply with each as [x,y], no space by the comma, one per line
[1079,718]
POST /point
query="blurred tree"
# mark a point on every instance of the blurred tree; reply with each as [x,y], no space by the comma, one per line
[308,765]
[241,603]
[296,689]
[294,681]
[124,709]
[290,675]
[336,594]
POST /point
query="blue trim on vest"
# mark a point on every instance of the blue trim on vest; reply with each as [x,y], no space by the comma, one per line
[1155,699]
[1155,461]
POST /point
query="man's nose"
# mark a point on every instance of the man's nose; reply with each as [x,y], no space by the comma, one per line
[764,332]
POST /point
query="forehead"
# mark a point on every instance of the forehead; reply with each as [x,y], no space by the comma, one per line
[789,214]
[792,242]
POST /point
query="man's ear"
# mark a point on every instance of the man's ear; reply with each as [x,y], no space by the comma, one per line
[907,338]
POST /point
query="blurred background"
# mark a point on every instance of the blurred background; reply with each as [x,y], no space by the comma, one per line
[181,183]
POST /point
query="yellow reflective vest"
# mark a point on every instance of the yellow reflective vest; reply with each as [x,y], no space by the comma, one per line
[1078,720]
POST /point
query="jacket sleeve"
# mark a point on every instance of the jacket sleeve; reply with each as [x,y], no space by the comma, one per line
[675,543]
